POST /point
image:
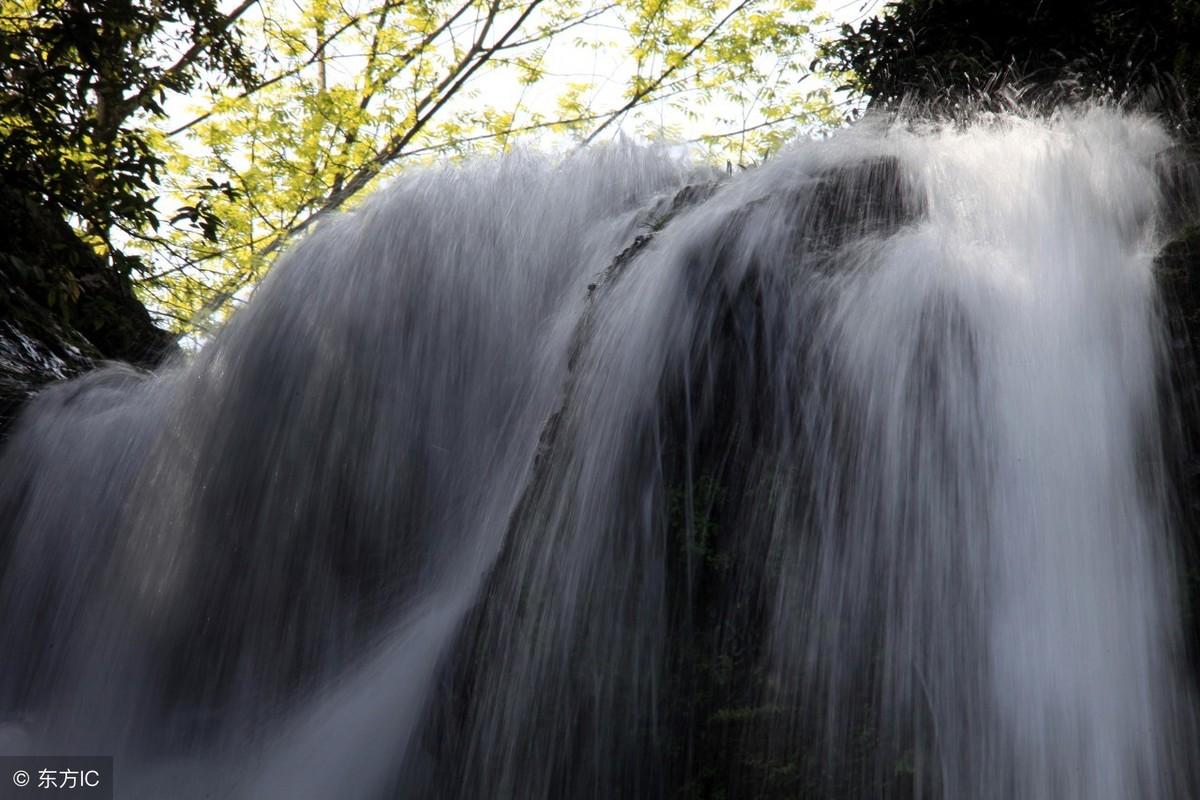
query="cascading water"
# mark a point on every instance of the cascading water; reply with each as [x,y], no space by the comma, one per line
[842,477]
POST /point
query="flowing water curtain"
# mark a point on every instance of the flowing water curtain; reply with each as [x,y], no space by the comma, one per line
[305,484]
[988,550]
[837,477]
[920,482]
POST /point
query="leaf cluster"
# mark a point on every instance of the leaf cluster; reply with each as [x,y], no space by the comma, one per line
[355,91]
[78,81]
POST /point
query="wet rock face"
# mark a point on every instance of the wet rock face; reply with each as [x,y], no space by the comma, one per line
[47,336]
[1179,182]
[714,462]
[872,198]
[34,352]
[1178,270]
[26,364]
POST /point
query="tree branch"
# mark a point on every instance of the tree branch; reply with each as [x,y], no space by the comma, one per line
[185,61]
[434,100]
[642,93]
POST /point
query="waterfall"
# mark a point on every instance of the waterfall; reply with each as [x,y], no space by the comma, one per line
[845,476]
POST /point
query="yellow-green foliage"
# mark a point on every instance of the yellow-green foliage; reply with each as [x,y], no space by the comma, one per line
[350,93]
